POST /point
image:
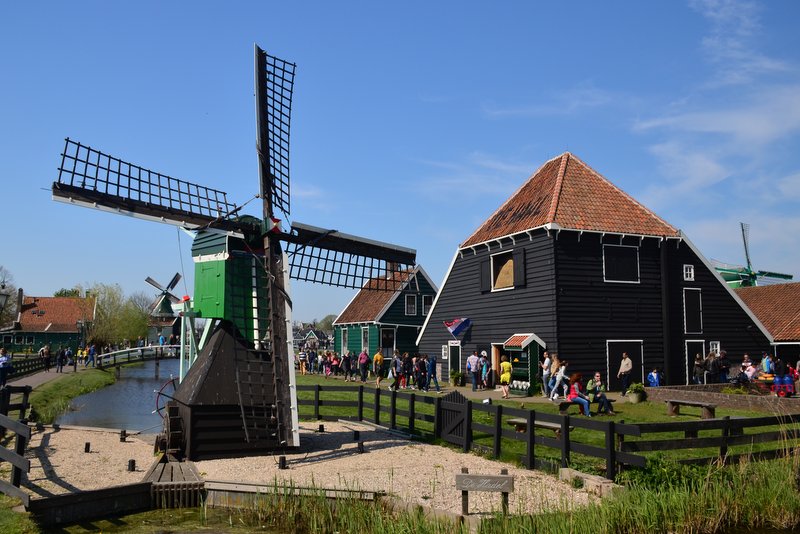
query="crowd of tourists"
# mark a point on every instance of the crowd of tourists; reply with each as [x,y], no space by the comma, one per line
[560,386]
[406,371]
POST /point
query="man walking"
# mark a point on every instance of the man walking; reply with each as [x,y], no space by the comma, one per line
[546,374]
[474,368]
[624,373]
[432,372]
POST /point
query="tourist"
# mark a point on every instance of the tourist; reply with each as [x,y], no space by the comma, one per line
[596,391]
[408,371]
[624,373]
[473,368]
[312,362]
[303,358]
[654,379]
[61,358]
[363,362]
[766,363]
[421,373]
[545,366]
[353,365]
[746,362]
[752,372]
[346,369]
[561,382]
[396,370]
[5,366]
[712,368]
[505,374]
[576,396]
[778,367]
[432,372]
[699,370]
[554,367]
[724,365]
[485,372]
[335,362]
[90,355]
[377,367]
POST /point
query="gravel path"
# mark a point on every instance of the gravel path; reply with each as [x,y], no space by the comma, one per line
[416,472]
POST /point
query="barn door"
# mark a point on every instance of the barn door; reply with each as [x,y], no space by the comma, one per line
[692,348]
[455,356]
[614,350]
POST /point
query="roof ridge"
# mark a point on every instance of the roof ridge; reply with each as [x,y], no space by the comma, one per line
[562,170]
[510,198]
[647,210]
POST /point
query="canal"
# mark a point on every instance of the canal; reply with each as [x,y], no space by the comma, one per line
[128,403]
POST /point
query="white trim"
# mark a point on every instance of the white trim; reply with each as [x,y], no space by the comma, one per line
[424,313]
[690,374]
[219,256]
[683,295]
[365,349]
[289,362]
[689,278]
[638,266]
[491,269]
[531,338]
[343,342]
[435,300]
[393,330]
[711,345]
[727,287]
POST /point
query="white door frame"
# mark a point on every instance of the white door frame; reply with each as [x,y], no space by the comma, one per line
[608,356]
[686,352]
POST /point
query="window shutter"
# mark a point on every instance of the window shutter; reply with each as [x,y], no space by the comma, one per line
[486,277]
[519,268]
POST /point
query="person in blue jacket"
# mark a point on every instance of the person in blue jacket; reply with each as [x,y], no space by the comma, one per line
[654,378]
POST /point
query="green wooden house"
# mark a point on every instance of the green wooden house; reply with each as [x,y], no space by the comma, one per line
[53,321]
[387,319]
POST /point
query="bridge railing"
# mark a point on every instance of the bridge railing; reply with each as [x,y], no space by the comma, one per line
[121,357]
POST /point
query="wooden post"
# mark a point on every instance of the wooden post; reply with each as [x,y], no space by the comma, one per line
[19,449]
[726,430]
[393,410]
[360,403]
[620,441]
[464,496]
[530,445]
[498,428]
[564,441]
[437,418]
[412,411]
[611,452]
[468,427]
[316,402]
[504,471]
[377,406]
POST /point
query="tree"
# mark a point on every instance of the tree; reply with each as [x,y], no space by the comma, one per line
[9,311]
[63,292]
[326,324]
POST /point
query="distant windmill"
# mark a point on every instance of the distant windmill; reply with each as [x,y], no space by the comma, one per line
[745,276]
[162,305]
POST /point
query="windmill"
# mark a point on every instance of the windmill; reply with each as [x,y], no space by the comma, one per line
[239,394]
[162,305]
[745,276]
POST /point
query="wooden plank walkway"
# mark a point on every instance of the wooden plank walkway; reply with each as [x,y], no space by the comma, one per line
[165,471]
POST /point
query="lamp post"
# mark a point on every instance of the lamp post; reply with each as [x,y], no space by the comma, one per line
[79,325]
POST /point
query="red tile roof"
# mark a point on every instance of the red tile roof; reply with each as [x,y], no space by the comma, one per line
[777,307]
[369,302]
[571,194]
[54,314]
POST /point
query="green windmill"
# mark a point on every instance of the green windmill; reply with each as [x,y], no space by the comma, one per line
[746,276]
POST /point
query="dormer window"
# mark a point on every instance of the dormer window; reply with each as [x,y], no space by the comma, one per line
[688,273]
[411,304]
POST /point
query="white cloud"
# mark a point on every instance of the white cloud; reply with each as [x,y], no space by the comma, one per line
[479,175]
[569,102]
[306,191]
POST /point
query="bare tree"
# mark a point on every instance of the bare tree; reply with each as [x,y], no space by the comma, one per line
[8,312]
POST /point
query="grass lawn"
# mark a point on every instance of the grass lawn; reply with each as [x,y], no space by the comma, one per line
[50,400]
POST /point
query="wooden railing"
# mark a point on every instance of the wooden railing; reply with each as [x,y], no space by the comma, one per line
[19,426]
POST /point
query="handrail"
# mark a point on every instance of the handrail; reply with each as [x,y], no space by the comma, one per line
[151,352]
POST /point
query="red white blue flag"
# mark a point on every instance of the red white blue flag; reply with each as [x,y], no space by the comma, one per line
[458,325]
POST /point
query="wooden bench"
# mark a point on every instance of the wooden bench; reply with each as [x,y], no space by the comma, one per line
[521,425]
[674,408]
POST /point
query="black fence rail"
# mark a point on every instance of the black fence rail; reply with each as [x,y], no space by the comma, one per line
[19,426]
[463,422]
[752,438]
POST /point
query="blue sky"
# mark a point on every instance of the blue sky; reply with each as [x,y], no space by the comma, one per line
[411,121]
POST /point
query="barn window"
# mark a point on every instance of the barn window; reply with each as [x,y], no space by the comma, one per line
[411,304]
[427,302]
[692,311]
[688,273]
[18,340]
[7,340]
[504,270]
[29,340]
[621,264]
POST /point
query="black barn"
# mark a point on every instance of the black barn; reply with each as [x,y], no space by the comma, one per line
[572,264]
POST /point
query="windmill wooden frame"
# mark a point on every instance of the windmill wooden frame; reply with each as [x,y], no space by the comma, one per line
[239,397]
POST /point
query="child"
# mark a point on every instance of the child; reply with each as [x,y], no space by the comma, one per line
[654,378]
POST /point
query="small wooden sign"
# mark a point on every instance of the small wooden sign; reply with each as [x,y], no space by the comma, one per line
[498,483]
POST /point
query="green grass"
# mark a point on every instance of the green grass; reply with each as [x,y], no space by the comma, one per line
[11,521]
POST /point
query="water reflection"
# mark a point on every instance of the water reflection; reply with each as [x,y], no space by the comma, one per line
[127,404]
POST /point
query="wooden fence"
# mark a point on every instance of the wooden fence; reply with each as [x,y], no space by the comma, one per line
[621,444]
[19,426]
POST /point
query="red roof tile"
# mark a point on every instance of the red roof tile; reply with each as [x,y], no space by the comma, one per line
[54,314]
[571,194]
[777,307]
[369,302]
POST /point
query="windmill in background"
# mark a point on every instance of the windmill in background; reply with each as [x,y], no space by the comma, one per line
[746,276]
[162,312]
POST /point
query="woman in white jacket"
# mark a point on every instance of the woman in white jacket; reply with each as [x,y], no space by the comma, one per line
[561,383]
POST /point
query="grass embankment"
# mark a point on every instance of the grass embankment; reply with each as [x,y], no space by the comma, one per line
[51,399]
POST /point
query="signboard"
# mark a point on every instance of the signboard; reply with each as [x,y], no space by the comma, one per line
[499,483]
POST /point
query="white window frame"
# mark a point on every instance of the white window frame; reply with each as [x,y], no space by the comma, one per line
[688,272]
[714,346]
[491,270]
[426,311]
[365,330]
[406,301]
[638,266]
[685,289]
[343,341]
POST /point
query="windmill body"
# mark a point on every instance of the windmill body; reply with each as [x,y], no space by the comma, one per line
[239,396]
[744,275]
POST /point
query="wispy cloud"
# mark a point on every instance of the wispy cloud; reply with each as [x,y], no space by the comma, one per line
[478,175]
[569,102]
[306,191]
[731,42]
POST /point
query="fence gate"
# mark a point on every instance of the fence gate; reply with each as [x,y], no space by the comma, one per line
[453,417]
